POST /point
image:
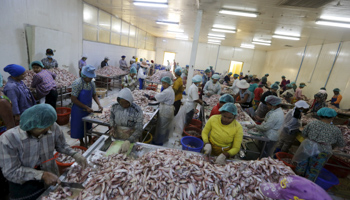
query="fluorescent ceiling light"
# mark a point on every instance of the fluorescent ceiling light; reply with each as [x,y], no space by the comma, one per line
[261,40]
[182,37]
[167,22]
[155,3]
[333,23]
[216,38]
[248,46]
[175,31]
[239,13]
[218,43]
[223,27]
[262,43]
[215,35]
[223,30]
[152,1]
[286,37]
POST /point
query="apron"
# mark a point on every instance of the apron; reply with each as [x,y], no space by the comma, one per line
[131,87]
[334,100]
[123,132]
[166,116]
[77,124]
[29,190]
[217,150]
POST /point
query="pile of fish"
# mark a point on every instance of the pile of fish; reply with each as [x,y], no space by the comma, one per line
[307,119]
[212,100]
[194,133]
[139,97]
[241,115]
[175,174]
[63,77]
[63,158]
[148,109]
[60,193]
[226,89]
[156,76]
[346,135]
[347,111]
[111,71]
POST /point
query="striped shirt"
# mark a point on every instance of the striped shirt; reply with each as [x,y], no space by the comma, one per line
[21,152]
[49,64]
[44,82]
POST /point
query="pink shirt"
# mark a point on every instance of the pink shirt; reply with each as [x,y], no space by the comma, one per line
[298,93]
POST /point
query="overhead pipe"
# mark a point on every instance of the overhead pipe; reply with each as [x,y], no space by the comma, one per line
[217,57]
[318,56]
[335,59]
[302,60]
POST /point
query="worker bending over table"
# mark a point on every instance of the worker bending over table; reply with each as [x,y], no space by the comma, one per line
[27,153]
[126,120]
[226,98]
[178,89]
[213,86]
[222,134]
[130,80]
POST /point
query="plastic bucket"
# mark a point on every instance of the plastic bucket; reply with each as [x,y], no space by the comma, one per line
[63,166]
[149,138]
[196,123]
[187,132]
[195,143]
[101,92]
[326,179]
[63,115]
[281,155]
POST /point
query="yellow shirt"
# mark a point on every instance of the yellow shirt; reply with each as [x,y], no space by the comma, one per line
[178,88]
[223,135]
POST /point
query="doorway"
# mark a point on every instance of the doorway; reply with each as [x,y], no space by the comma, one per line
[236,67]
[169,56]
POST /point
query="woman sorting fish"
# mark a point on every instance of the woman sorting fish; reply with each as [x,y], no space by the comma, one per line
[83,91]
[130,80]
[263,109]
[126,120]
[321,137]
[178,89]
[141,75]
[222,134]
[167,73]
[271,124]
[186,112]
[166,112]
[246,97]
[213,86]
[226,98]
[27,150]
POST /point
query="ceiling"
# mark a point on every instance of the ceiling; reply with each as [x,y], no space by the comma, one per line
[273,17]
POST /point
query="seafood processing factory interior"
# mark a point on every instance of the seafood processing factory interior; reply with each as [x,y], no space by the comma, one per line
[307,42]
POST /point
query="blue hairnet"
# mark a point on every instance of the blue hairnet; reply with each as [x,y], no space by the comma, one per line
[292,83]
[38,116]
[36,63]
[133,70]
[273,100]
[215,76]
[336,90]
[178,71]
[89,71]
[289,85]
[267,74]
[302,85]
[229,107]
[274,86]
[326,112]
[1,81]
[322,88]
[283,76]
[187,66]
[227,98]
[197,79]
[277,82]
[207,71]
[166,79]
[235,75]
[230,73]
[14,70]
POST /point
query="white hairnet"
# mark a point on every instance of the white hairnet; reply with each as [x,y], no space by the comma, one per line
[302,104]
[126,94]
[197,79]
[273,100]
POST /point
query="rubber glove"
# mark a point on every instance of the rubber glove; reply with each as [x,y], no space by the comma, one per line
[125,147]
[221,159]
[80,159]
[207,149]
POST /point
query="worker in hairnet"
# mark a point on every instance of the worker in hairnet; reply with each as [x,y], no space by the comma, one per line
[271,124]
[264,79]
[294,86]
[263,109]
[336,99]
[130,80]
[15,89]
[226,98]
[178,90]
[278,92]
[213,86]
[166,112]
[184,74]
[319,102]
[27,152]
[126,120]
[141,75]
[186,112]
[104,63]
[133,63]
[290,127]
[205,77]
[222,134]
[246,97]
[212,70]
[83,91]
[234,87]
[321,137]
[82,63]
[299,93]
[166,73]
[284,83]
[122,63]
[288,93]
[227,79]
[49,62]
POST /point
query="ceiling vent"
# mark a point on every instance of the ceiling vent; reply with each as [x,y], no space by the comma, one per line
[305,3]
[287,45]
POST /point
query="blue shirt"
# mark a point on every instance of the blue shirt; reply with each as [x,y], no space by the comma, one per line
[205,79]
[20,96]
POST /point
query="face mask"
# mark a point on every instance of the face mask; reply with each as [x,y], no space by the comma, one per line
[49,56]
